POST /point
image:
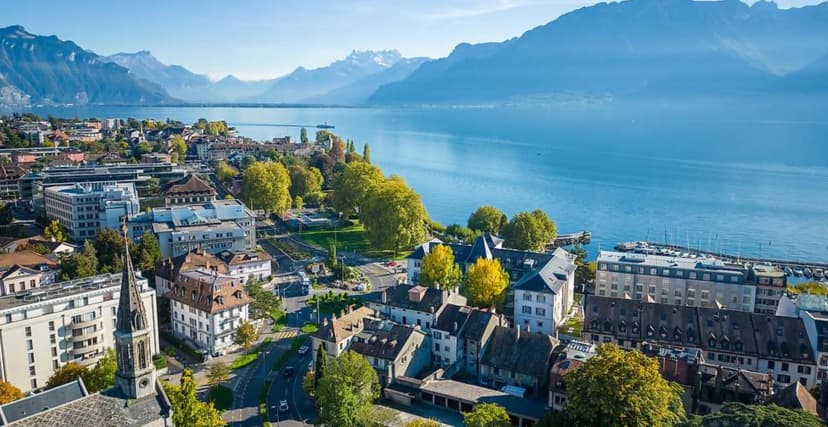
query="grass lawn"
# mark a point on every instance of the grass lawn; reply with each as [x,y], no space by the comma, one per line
[309,328]
[222,397]
[333,303]
[244,360]
[351,238]
[572,327]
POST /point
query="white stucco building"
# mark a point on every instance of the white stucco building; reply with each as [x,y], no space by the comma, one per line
[542,301]
[85,208]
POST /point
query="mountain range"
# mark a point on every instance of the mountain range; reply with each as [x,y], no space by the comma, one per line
[631,48]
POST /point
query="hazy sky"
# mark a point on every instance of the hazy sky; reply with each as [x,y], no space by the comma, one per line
[267,38]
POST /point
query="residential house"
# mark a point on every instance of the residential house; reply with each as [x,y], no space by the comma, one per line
[336,335]
[26,270]
[245,265]
[207,307]
[459,337]
[9,177]
[565,359]
[414,305]
[519,358]
[393,350]
[543,300]
[238,266]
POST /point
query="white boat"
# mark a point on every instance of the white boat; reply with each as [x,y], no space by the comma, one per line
[788,271]
[818,273]
[798,272]
[808,272]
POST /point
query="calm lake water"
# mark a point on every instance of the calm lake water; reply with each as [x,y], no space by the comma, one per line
[743,178]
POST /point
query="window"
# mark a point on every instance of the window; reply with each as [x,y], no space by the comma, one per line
[52,325]
[437,335]
[526,309]
[34,383]
[540,298]
[32,371]
[29,345]
[784,367]
[782,378]
[540,311]
[52,338]
[527,297]
[54,351]
[28,331]
[31,357]
[771,364]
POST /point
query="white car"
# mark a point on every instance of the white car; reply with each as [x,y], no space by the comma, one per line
[304,349]
[283,406]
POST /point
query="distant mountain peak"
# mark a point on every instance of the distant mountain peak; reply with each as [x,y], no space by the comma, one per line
[16,31]
[385,58]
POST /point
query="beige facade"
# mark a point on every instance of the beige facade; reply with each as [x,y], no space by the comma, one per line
[63,322]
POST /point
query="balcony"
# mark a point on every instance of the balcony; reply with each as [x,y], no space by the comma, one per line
[87,349]
[84,323]
[81,336]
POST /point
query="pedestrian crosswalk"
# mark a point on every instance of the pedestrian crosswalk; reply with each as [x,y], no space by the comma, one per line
[285,335]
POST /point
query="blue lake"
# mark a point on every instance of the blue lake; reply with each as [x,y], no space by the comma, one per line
[749,178]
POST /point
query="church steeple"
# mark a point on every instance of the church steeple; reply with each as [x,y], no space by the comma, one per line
[136,373]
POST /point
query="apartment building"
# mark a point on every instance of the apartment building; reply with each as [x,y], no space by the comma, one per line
[215,226]
[414,305]
[207,307]
[51,325]
[84,209]
[777,345]
[239,266]
[187,191]
[695,282]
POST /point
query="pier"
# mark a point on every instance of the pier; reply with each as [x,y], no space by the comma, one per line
[579,238]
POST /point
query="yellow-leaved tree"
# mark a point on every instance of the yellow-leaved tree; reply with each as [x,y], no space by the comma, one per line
[486,283]
[438,266]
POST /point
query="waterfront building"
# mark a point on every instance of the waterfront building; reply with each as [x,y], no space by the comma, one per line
[757,342]
[84,209]
[44,328]
[207,307]
[215,226]
[541,285]
[695,282]
[137,399]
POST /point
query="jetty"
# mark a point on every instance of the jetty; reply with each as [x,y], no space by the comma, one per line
[579,238]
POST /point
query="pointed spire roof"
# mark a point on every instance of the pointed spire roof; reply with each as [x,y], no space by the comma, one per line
[480,249]
[131,314]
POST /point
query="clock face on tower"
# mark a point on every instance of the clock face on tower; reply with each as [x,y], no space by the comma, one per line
[144,383]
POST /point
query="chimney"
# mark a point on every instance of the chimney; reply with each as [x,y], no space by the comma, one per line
[416,294]
[384,296]
[325,321]
[517,339]
[455,326]
[437,285]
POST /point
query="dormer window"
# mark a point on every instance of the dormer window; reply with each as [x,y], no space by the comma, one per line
[711,343]
[635,328]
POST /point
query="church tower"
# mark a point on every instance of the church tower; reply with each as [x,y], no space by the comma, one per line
[136,373]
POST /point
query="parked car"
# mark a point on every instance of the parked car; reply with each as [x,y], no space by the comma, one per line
[304,349]
[288,371]
[283,406]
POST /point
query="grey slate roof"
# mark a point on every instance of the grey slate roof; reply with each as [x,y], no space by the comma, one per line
[101,410]
[528,355]
[529,270]
[397,296]
[386,340]
[762,335]
[476,325]
[35,403]
[452,319]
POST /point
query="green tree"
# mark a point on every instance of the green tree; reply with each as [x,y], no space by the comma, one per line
[9,393]
[102,376]
[267,186]
[487,219]
[485,283]
[309,383]
[585,270]
[66,374]
[219,372]
[423,422]
[225,173]
[80,264]
[304,180]
[245,335]
[55,231]
[394,216]
[298,202]
[6,216]
[366,153]
[109,244]
[456,232]
[303,136]
[734,414]
[622,388]
[487,415]
[353,186]
[529,231]
[178,146]
[263,302]
[188,411]
[142,148]
[346,391]
[813,288]
[319,365]
[149,250]
[439,266]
